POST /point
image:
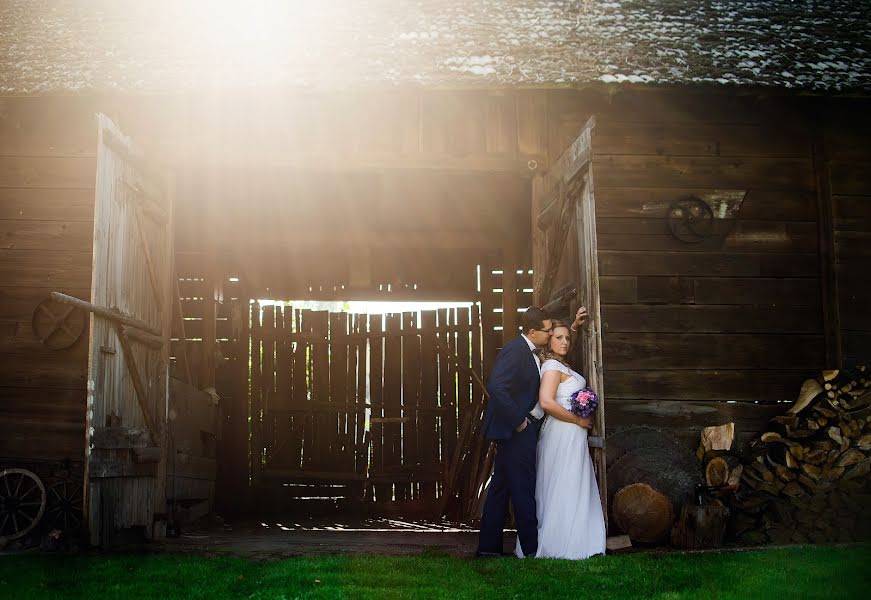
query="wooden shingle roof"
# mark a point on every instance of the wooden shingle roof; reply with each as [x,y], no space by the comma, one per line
[62,46]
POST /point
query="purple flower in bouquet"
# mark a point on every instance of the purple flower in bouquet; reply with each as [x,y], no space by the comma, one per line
[584,402]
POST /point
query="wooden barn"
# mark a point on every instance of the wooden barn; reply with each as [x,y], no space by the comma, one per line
[205,189]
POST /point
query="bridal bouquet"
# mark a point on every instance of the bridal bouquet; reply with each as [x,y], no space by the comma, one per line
[584,402]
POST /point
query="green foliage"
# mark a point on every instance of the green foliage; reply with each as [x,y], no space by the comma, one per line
[806,572]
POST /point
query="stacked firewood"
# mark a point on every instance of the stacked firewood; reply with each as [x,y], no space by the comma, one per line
[808,477]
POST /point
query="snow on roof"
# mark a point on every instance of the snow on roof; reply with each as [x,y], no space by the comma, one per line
[62,46]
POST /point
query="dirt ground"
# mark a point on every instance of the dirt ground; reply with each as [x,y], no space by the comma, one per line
[292,536]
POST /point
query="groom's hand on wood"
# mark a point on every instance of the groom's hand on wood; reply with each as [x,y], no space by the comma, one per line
[522,426]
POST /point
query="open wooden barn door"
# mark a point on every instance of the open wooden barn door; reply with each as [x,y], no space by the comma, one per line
[566,268]
[128,375]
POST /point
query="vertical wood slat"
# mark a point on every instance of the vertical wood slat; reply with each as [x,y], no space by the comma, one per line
[377,400]
[363,366]
[447,387]
[324,430]
[338,359]
[464,380]
[267,379]
[256,394]
[393,396]
[353,397]
[427,419]
[410,394]
[591,335]
[304,424]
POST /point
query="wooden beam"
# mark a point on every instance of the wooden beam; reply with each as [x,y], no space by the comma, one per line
[330,163]
[136,378]
[113,315]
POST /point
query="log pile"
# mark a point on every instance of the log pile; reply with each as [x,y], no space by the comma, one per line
[808,477]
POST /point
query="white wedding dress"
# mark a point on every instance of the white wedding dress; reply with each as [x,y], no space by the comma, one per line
[570,520]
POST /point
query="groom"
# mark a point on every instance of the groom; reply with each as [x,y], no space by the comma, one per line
[513,390]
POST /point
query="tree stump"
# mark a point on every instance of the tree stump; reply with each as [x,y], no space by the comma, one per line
[700,526]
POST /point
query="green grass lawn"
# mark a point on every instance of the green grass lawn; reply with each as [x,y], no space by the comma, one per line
[793,573]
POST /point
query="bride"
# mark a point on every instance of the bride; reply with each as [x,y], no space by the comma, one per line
[570,520]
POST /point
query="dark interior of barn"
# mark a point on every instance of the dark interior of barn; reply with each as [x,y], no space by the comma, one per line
[355,317]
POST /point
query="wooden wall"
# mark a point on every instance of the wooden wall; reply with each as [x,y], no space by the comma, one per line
[846,146]
[47,167]
[736,318]
[700,334]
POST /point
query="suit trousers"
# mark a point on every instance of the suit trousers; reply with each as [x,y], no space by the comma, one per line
[514,480]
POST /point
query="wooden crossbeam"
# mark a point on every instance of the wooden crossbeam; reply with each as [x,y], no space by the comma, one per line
[136,378]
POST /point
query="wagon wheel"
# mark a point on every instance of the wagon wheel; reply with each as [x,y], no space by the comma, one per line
[691,220]
[22,502]
[64,510]
[58,325]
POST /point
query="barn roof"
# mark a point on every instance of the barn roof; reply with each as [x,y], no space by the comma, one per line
[52,46]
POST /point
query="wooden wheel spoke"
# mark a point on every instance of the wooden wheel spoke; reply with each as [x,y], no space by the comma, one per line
[48,311]
[3,524]
[18,487]
[8,489]
[14,522]
[26,516]
[27,493]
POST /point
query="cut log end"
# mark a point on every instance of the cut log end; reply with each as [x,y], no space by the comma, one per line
[643,513]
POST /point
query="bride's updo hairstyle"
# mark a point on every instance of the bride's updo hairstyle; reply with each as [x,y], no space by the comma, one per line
[547,353]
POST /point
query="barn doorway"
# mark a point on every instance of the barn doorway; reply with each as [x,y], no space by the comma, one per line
[327,404]
[360,402]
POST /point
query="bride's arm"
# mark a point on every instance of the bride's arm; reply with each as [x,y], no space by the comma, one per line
[550,380]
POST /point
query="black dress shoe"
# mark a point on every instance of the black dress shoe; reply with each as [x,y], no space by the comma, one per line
[480,554]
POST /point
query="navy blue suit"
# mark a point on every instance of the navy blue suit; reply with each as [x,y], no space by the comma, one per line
[513,390]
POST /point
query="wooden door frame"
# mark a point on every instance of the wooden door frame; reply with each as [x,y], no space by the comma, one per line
[147,448]
[564,196]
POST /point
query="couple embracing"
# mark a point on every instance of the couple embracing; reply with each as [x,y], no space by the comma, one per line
[542,464]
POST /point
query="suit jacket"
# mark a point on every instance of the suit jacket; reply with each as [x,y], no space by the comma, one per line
[513,390]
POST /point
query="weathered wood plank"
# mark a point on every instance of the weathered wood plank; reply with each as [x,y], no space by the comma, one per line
[712,319]
[44,369]
[50,125]
[532,124]
[635,351]
[756,290]
[738,140]
[411,392]
[685,420]
[56,269]
[697,171]
[46,235]
[42,439]
[623,200]
[377,398]
[727,236]
[665,290]
[618,290]
[850,178]
[750,385]
[47,204]
[613,262]
[392,432]
[47,172]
